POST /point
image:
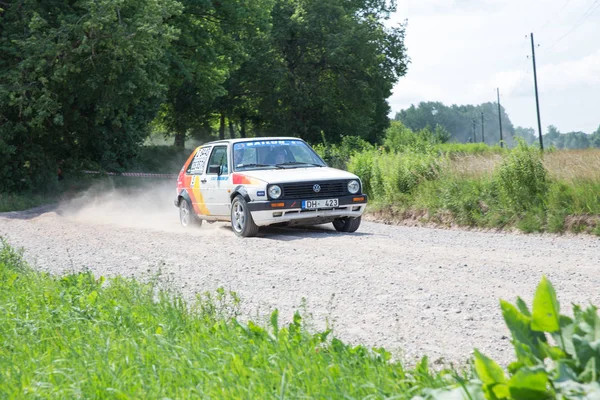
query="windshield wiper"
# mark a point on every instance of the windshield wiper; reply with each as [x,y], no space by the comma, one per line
[254,165]
[297,163]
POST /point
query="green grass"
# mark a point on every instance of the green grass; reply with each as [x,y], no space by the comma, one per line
[517,188]
[81,337]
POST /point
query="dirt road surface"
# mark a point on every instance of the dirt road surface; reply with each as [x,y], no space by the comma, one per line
[415,291]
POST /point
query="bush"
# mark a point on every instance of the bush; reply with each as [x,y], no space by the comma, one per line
[385,175]
[362,165]
[522,180]
[337,155]
[399,138]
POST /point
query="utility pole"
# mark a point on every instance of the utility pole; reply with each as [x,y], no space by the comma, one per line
[482,138]
[537,100]
[500,117]
[474,138]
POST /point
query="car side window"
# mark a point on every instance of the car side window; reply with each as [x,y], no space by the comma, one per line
[219,157]
[197,165]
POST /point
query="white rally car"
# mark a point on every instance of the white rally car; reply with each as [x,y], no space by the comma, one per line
[266,181]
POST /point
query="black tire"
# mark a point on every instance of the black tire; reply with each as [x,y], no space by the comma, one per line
[187,217]
[242,223]
[347,225]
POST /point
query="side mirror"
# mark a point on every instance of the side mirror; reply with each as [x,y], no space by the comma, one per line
[214,169]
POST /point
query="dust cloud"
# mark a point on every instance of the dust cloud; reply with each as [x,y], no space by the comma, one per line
[147,205]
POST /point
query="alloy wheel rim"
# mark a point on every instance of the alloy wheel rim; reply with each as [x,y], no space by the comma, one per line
[239,219]
[184,213]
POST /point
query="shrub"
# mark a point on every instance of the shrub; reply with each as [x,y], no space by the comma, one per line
[387,175]
[521,180]
[362,165]
[399,138]
[337,155]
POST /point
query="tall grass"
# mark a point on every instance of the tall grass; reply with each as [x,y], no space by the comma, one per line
[81,337]
[555,191]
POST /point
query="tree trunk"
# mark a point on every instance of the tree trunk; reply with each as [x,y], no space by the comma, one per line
[222,127]
[179,140]
[243,127]
[231,130]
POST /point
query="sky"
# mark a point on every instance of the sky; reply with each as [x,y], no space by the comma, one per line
[460,51]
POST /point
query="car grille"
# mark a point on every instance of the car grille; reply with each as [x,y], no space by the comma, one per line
[304,190]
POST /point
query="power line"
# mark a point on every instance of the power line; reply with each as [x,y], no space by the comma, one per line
[558,12]
[595,5]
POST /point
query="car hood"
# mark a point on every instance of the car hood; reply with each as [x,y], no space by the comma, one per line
[297,174]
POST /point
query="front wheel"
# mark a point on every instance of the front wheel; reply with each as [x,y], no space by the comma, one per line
[241,220]
[348,225]
[186,215]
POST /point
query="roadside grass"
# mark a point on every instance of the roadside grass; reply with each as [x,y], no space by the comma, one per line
[80,337]
[488,190]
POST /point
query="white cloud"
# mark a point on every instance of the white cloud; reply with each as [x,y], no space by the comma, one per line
[410,91]
[462,50]
[565,75]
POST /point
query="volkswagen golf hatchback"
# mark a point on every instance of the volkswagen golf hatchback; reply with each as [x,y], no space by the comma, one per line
[266,181]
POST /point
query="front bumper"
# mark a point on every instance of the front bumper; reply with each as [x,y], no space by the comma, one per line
[281,211]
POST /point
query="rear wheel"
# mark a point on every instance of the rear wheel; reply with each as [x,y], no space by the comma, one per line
[347,224]
[241,220]
[186,214]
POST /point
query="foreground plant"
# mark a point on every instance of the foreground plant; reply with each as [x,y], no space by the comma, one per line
[81,337]
[557,356]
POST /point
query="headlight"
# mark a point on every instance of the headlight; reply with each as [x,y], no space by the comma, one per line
[353,187]
[274,192]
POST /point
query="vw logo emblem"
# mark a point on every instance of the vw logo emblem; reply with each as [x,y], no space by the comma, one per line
[317,188]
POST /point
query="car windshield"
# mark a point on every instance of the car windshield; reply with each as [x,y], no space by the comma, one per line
[270,154]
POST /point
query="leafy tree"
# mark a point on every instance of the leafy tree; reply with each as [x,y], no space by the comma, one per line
[210,47]
[577,140]
[595,138]
[528,134]
[462,122]
[333,67]
[80,80]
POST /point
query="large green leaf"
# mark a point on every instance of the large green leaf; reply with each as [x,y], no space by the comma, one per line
[525,340]
[523,307]
[470,391]
[529,384]
[546,311]
[488,371]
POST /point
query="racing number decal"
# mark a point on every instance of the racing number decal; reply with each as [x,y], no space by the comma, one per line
[199,161]
[197,168]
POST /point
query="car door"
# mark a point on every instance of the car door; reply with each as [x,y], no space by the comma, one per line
[218,181]
[196,176]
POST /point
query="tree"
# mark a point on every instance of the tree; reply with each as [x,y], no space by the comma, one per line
[459,121]
[334,65]
[80,80]
[526,133]
[595,138]
[210,48]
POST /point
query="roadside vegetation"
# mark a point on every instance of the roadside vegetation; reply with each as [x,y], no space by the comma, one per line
[80,336]
[416,176]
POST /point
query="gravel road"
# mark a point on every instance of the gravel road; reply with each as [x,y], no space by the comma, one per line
[415,291]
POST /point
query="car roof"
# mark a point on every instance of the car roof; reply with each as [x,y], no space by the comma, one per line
[227,141]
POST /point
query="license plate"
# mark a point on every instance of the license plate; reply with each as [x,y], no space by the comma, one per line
[314,204]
